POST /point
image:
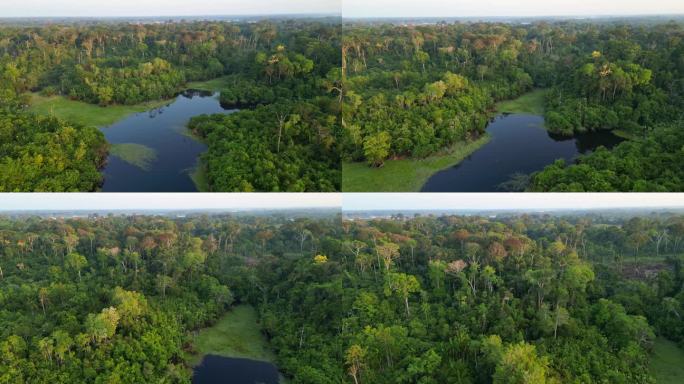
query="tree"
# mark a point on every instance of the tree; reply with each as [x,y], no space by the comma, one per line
[129,305]
[388,252]
[376,148]
[497,251]
[354,360]
[76,262]
[422,57]
[63,343]
[43,297]
[403,285]
[462,235]
[521,365]
[46,347]
[102,326]
[163,282]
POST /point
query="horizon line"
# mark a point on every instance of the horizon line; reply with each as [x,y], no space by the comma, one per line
[170,16]
[515,16]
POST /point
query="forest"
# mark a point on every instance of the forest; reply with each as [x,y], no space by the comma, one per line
[114,64]
[417,90]
[114,299]
[511,298]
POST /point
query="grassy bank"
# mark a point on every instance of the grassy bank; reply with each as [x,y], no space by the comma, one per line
[531,102]
[407,175]
[87,114]
[236,334]
[626,135]
[134,154]
[213,85]
[199,177]
[667,362]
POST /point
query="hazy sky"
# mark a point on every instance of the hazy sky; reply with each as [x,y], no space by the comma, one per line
[463,8]
[52,8]
[486,201]
[106,201]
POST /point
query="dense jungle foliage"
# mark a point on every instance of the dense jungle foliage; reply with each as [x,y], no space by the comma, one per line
[46,154]
[115,299]
[514,299]
[129,63]
[416,90]
[521,299]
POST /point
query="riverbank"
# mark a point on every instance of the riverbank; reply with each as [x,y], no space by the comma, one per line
[530,103]
[199,177]
[213,85]
[94,115]
[88,114]
[405,175]
[409,175]
[236,334]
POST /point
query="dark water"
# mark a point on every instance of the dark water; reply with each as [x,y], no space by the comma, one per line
[519,144]
[162,130]
[227,370]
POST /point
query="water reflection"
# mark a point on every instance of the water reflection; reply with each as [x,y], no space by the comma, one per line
[519,146]
[162,132]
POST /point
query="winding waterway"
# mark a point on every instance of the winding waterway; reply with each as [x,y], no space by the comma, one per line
[161,133]
[519,145]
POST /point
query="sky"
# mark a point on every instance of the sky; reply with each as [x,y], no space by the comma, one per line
[164,201]
[496,201]
[348,201]
[86,8]
[470,8]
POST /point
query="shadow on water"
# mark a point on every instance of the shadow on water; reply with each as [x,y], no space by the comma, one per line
[519,145]
[228,370]
[163,130]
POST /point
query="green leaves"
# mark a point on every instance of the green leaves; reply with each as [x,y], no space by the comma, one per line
[279,147]
[102,326]
[47,154]
[521,365]
[376,148]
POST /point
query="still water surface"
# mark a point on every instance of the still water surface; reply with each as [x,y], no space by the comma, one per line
[228,370]
[164,131]
[519,144]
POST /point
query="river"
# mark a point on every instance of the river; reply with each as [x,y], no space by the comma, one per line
[519,145]
[161,132]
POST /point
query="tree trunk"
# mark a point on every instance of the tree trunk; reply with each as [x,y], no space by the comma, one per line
[301,337]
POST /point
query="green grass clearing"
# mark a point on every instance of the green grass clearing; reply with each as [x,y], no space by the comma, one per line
[667,362]
[406,175]
[531,102]
[213,85]
[236,334]
[626,135]
[134,154]
[87,114]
